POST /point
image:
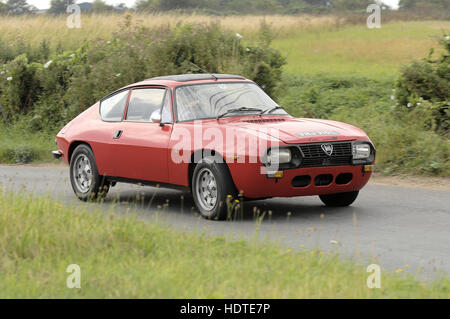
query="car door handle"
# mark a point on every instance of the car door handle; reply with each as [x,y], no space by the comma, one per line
[118,134]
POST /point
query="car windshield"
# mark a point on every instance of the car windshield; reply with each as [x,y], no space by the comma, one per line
[214,100]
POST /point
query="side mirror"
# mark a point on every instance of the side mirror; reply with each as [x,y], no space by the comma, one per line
[156,117]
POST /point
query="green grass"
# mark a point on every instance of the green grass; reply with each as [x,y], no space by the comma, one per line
[20,146]
[357,50]
[129,258]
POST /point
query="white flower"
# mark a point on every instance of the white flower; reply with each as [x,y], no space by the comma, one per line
[334,242]
[239,35]
[3,72]
[9,78]
[109,42]
[419,104]
[72,55]
[408,105]
[447,37]
[46,65]
[248,49]
[118,74]
[392,97]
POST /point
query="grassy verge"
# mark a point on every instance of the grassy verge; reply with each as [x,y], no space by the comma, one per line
[127,258]
[20,146]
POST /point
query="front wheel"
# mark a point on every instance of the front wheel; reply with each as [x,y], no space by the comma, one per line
[86,182]
[211,187]
[339,200]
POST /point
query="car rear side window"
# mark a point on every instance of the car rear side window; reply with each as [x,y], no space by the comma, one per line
[112,108]
[143,102]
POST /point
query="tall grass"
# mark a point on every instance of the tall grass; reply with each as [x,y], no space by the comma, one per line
[129,258]
[33,29]
[312,44]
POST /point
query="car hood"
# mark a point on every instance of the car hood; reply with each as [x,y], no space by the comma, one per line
[300,130]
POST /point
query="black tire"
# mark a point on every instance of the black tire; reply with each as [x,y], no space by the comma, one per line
[339,200]
[98,186]
[225,189]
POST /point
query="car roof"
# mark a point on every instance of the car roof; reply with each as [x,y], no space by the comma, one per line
[196,77]
[181,79]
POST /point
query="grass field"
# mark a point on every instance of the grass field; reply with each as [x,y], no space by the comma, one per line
[357,50]
[312,45]
[127,258]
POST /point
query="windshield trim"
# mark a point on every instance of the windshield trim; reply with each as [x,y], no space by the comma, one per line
[175,102]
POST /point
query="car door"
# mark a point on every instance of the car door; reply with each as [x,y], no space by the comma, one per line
[140,150]
[104,133]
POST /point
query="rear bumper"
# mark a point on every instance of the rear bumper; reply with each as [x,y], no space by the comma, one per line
[56,154]
[303,181]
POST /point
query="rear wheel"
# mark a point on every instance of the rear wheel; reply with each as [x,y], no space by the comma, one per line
[339,200]
[211,187]
[86,182]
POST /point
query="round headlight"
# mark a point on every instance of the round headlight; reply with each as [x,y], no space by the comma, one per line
[279,156]
[361,151]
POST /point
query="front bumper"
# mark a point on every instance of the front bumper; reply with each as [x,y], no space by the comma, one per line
[56,154]
[303,181]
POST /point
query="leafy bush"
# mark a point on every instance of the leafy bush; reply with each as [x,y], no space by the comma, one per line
[19,85]
[320,96]
[428,80]
[58,90]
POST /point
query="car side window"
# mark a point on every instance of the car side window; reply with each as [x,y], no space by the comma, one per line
[112,108]
[143,102]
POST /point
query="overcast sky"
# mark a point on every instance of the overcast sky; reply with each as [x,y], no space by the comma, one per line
[44,4]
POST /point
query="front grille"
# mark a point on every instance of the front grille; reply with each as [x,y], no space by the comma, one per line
[314,156]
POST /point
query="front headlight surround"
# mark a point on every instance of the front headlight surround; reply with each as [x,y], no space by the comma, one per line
[279,156]
[363,152]
[287,157]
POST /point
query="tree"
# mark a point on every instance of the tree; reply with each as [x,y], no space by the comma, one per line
[18,7]
[101,6]
[352,4]
[420,4]
[59,6]
[3,8]
[146,5]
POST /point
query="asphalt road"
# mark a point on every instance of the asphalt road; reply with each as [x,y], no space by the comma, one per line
[390,225]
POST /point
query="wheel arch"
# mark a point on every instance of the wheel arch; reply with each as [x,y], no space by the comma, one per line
[73,146]
[200,154]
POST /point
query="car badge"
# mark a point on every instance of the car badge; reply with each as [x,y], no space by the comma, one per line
[327,148]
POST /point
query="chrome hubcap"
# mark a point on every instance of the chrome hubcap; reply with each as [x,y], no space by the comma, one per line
[82,173]
[206,189]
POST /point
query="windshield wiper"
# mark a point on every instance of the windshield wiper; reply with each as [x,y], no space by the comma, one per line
[272,110]
[241,109]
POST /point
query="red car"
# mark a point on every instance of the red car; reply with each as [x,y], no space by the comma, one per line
[220,136]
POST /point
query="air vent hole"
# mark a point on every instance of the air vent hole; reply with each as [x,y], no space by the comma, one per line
[323,180]
[344,178]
